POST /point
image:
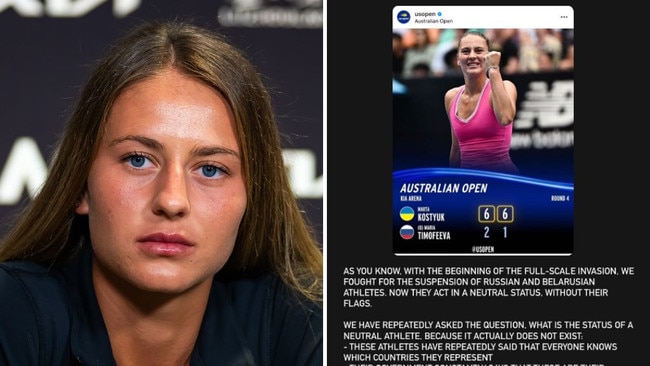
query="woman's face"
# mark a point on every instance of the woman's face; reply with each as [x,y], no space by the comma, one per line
[471,53]
[165,193]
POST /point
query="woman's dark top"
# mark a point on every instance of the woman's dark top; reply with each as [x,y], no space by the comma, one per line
[51,317]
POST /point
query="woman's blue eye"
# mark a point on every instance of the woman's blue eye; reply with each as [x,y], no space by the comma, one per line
[137,161]
[209,170]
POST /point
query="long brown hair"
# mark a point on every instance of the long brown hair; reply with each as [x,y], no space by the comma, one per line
[274,234]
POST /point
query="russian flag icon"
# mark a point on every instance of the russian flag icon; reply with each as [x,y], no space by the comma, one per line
[406,232]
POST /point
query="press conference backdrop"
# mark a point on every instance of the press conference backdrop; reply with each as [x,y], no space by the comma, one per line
[48,48]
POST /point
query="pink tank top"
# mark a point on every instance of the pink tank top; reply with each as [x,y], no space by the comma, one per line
[484,143]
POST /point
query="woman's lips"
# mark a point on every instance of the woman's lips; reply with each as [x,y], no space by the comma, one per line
[165,245]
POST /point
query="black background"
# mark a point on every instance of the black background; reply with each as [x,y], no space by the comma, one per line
[610,196]
[610,150]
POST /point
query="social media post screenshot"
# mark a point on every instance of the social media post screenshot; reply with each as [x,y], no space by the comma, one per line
[483,130]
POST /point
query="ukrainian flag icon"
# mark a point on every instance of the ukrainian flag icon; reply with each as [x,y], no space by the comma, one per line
[407,213]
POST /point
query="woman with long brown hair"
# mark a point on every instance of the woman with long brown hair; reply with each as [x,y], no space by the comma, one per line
[166,232]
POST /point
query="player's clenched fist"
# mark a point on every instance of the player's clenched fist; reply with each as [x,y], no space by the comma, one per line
[492,58]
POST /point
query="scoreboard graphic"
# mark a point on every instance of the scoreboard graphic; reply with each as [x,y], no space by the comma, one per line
[445,211]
